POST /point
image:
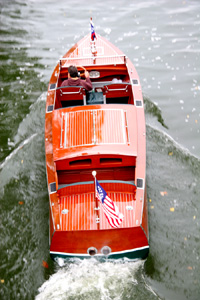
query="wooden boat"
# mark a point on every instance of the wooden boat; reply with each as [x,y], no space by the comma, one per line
[102,130]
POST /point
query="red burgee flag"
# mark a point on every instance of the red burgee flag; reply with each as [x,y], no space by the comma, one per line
[110,209]
[93,35]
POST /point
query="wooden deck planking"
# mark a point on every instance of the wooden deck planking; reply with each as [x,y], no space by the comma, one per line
[82,216]
[103,126]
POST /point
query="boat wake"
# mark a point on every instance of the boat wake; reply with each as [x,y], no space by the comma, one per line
[90,279]
[25,145]
[151,109]
[15,151]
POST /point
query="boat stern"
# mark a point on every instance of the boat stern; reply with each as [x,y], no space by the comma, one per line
[128,243]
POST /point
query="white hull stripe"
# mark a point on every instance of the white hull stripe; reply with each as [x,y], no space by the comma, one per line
[112,253]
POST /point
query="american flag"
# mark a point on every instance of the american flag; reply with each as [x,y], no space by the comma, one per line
[111,211]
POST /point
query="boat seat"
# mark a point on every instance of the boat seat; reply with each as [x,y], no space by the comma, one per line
[71,96]
[121,89]
[118,93]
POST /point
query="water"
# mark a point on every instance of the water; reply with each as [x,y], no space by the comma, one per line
[162,40]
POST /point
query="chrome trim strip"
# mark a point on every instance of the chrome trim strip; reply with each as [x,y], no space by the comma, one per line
[126,125]
[61,130]
[65,132]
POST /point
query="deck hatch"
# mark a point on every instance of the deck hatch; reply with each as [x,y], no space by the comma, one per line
[94,127]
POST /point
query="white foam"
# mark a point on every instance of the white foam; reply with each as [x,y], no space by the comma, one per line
[89,279]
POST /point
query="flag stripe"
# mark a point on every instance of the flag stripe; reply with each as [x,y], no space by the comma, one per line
[114,209]
[110,205]
[111,211]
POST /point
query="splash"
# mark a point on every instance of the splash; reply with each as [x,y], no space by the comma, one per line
[90,279]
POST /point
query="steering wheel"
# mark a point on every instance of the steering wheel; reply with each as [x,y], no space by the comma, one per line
[82,71]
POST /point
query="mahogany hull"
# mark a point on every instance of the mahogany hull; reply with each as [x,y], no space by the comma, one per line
[109,137]
[124,242]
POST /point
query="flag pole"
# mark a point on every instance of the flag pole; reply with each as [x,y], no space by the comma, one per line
[92,40]
[94,173]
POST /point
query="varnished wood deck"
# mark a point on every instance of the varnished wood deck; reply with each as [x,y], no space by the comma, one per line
[82,216]
[93,127]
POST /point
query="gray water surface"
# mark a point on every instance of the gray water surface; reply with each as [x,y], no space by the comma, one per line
[162,38]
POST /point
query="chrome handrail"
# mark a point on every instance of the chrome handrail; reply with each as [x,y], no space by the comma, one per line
[122,89]
[69,93]
[96,60]
[92,57]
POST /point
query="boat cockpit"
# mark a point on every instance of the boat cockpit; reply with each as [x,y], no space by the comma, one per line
[106,94]
[111,85]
